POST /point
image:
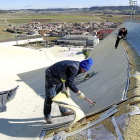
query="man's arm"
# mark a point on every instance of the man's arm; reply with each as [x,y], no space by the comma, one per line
[120,34]
[125,34]
[71,73]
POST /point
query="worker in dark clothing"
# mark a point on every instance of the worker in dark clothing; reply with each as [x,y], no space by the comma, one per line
[66,70]
[121,35]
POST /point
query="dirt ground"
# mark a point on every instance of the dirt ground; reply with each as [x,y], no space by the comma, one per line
[129,17]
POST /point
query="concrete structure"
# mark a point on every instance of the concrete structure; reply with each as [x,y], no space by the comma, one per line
[114,87]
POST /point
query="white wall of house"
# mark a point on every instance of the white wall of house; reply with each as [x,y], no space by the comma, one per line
[21,41]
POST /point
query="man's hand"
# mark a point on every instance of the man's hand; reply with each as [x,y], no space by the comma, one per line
[120,36]
[81,95]
[68,93]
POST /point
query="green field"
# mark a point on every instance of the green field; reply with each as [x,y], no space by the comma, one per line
[4,34]
[114,18]
[56,16]
[19,20]
[63,18]
[28,17]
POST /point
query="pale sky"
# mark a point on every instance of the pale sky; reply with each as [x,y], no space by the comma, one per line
[36,4]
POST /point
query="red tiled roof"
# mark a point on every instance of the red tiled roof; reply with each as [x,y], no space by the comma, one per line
[104,31]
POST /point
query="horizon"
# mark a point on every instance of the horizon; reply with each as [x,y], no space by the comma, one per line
[17,5]
[68,7]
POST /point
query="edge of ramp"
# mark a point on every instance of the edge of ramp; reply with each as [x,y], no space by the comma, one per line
[62,100]
[123,123]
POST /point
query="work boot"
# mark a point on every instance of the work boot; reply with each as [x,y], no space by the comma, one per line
[67,113]
[48,120]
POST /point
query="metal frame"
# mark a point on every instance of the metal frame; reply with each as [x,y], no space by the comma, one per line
[117,128]
[84,128]
[128,71]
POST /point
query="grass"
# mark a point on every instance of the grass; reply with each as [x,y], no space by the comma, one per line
[115,18]
[52,18]
[28,17]
[56,16]
[2,22]
[4,34]
[18,20]
[86,52]
[51,38]
[64,18]
[8,16]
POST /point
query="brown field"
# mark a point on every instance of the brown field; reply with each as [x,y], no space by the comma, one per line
[128,17]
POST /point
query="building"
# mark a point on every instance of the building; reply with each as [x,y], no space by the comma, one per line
[103,33]
[21,40]
[79,40]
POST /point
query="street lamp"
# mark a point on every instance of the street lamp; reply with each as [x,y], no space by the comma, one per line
[47,39]
[16,35]
[132,3]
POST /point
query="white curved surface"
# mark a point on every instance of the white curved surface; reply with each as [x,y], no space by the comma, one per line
[24,117]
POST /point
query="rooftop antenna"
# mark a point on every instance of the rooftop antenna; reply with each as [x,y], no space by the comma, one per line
[132,3]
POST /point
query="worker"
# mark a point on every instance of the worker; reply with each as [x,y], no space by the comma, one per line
[66,70]
[122,33]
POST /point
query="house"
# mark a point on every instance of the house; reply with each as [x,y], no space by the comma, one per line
[103,33]
[76,32]
[34,23]
[43,31]
[108,24]
[56,34]
[82,40]
[31,33]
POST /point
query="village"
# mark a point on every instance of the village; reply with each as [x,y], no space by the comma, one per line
[78,34]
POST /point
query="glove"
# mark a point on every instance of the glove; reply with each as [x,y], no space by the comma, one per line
[120,36]
[68,93]
[81,95]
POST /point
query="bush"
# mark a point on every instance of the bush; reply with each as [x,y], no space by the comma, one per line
[86,52]
[109,16]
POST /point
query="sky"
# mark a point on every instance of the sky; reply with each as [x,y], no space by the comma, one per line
[41,4]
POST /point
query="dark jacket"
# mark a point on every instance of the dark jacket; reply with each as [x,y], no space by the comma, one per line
[121,33]
[67,70]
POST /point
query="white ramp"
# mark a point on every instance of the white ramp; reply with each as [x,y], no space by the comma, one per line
[24,117]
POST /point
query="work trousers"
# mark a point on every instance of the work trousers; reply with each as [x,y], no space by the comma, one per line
[51,92]
[117,42]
